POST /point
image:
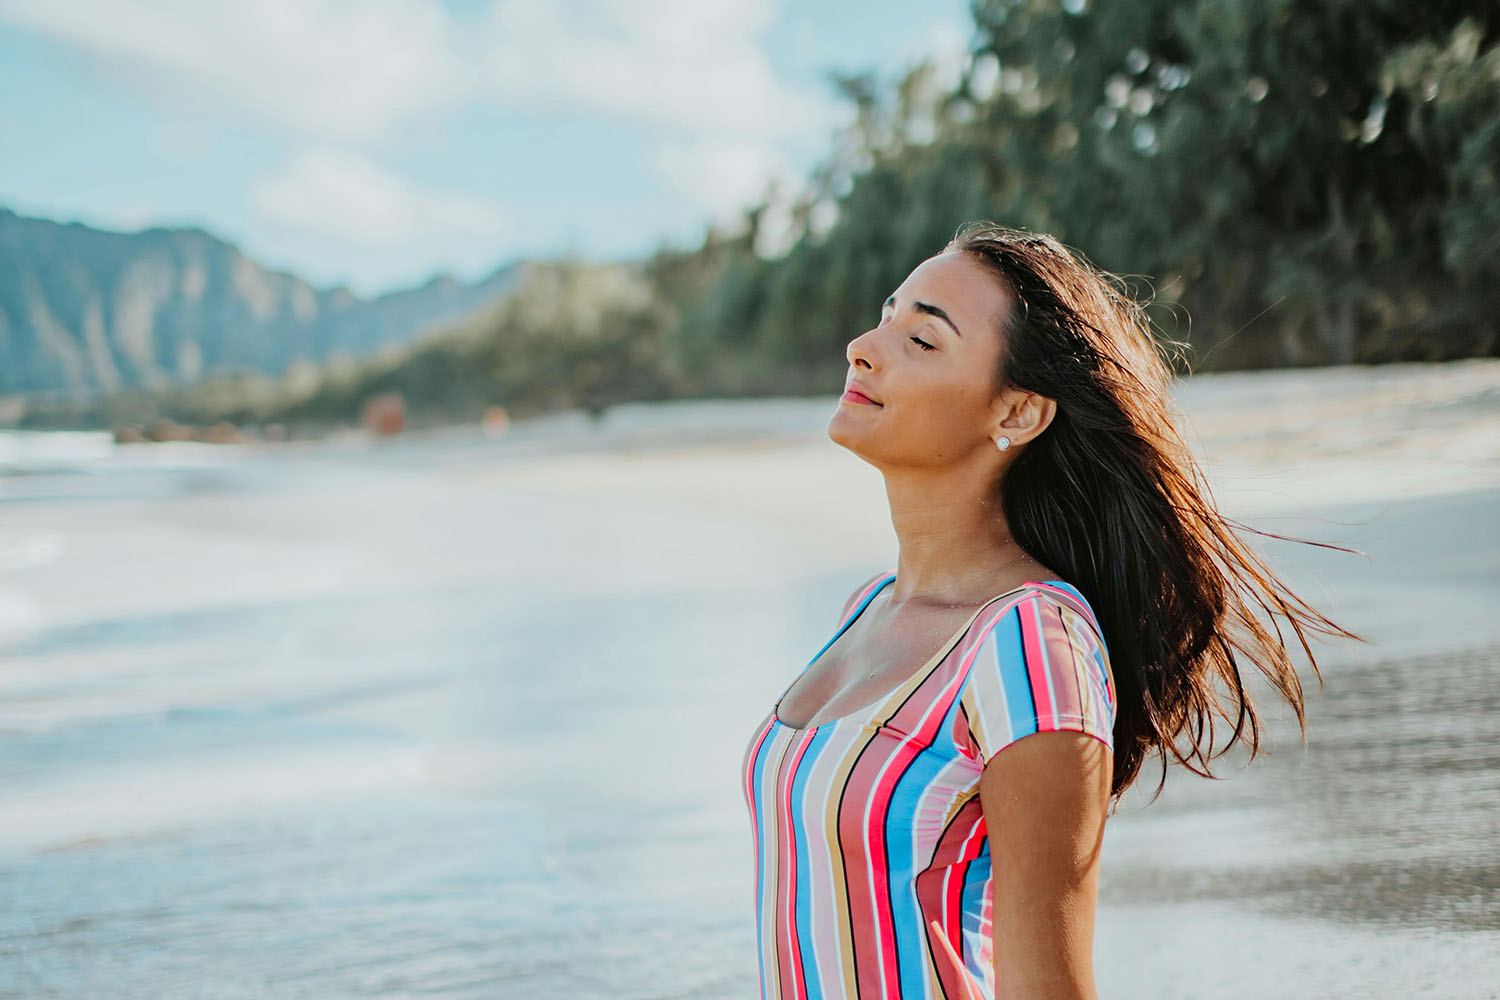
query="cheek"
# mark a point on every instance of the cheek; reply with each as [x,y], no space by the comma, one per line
[944,416]
[955,426]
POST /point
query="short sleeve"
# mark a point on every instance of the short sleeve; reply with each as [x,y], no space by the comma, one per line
[1039,667]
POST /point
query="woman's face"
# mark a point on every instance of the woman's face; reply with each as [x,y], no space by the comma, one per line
[929,368]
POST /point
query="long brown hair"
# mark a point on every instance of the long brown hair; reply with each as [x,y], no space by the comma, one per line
[1110,497]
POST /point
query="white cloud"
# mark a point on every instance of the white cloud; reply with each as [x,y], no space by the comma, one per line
[345,69]
[345,196]
[689,65]
[698,71]
[945,47]
[696,76]
[723,177]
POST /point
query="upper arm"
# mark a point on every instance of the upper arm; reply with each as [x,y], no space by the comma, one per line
[1037,715]
[1044,801]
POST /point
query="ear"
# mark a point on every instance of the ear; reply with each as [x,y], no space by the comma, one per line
[1021,415]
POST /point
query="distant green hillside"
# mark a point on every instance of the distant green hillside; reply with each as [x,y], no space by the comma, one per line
[83,310]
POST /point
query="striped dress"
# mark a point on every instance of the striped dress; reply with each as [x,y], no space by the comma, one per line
[868,827]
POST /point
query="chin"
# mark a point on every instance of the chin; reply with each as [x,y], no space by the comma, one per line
[847,433]
[839,430]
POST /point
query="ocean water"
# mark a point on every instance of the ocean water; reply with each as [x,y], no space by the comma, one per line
[460,716]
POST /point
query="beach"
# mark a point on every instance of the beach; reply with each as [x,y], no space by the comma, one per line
[462,715]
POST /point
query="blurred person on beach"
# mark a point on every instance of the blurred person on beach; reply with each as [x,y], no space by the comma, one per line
[1062,570]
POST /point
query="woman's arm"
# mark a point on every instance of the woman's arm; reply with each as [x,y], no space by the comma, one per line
[1045,798]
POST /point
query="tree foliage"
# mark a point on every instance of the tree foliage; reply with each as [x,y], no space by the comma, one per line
[1290,181]
[1301,181]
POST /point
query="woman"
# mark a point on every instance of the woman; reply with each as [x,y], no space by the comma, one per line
[1065,592]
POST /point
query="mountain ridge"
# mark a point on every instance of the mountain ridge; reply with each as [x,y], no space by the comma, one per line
[86,311]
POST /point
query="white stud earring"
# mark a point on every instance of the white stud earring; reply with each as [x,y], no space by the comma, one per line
[1002,442]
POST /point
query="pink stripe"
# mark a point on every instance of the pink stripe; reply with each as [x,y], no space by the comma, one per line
[1067,694]
[789,917]
[878,810]
[978,637]
[774,894]
[1088,611]
[872,824]
[955,903]
[850,794]
[965,737]
[957,845]
[1037,666]
[859,598]
[755,838]
[750,773]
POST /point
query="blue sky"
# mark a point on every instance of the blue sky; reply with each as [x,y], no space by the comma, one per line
[376,142]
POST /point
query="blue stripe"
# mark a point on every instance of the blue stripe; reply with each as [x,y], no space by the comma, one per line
[1099,667]
[850,620]
[1009,658]
[972,900]
[915,783]
[906,915]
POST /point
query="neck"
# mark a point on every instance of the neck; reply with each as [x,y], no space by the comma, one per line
[953,536]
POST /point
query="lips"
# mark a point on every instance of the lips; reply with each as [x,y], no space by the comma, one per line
[855,394]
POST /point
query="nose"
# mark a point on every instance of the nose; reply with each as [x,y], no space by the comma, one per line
[857,351]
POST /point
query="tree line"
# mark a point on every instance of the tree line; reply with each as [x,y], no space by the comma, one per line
[1287,182]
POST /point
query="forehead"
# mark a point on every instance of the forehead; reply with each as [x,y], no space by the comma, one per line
[961,285]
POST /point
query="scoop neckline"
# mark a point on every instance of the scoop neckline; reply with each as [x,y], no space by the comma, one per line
[943,650]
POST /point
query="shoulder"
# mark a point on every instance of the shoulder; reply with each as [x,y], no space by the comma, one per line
[1041,608]
[866,587]
[1037,662]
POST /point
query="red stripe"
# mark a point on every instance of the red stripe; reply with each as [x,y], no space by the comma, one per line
[865,917]
[915,723]
[940,888]
[780,841]
[755,839]
[1067,695]
[1036,660]
[963,736]
[793,956]
[749,768]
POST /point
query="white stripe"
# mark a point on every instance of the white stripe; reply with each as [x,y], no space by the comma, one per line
[826,936]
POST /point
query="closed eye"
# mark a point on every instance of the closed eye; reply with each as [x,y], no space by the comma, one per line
[923,344]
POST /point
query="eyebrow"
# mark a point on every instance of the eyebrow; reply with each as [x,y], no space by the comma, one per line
[929,309]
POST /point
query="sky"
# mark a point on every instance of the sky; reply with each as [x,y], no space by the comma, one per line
[375,143]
